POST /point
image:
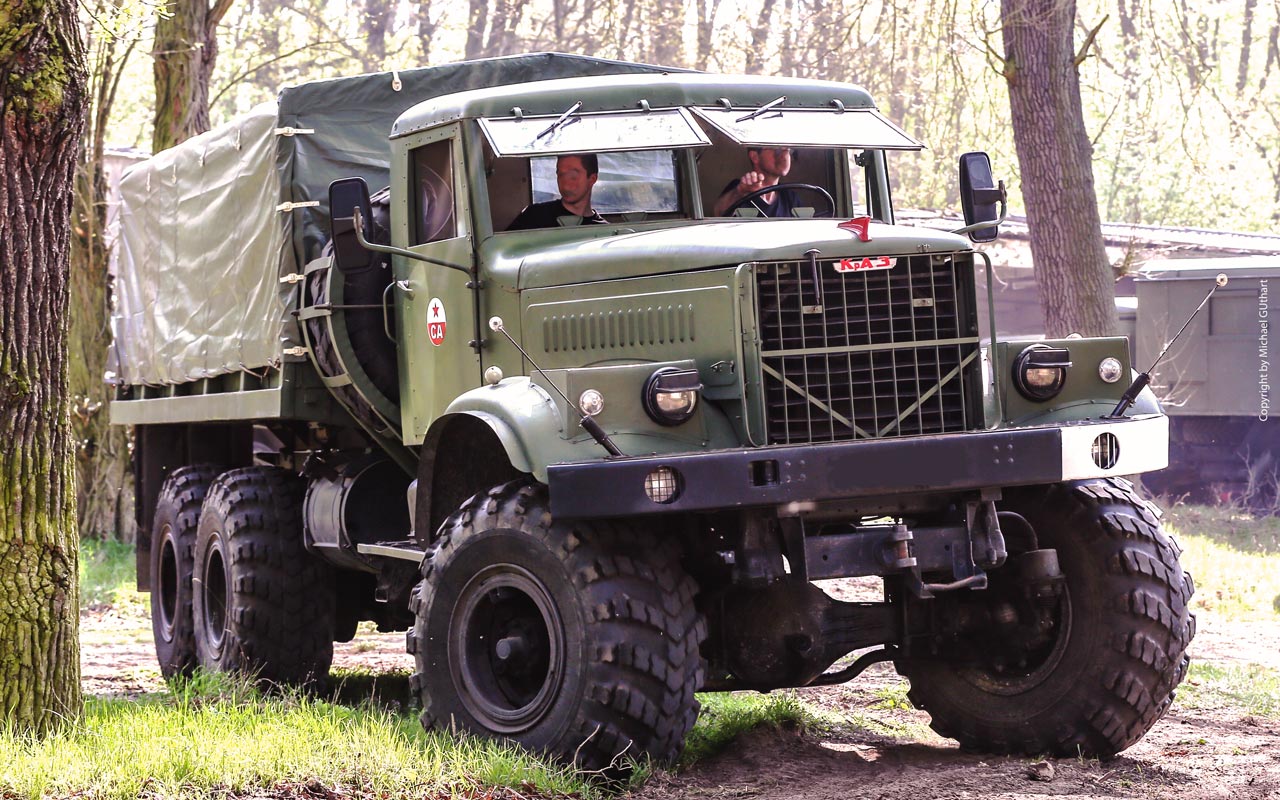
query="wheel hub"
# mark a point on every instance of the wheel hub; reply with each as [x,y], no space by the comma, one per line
[168,583]
[215,599]
[506,648]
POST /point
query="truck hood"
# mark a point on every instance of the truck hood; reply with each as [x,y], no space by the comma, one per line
[569,256]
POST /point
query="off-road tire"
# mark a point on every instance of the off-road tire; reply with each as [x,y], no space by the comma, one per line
[629,633]
[173,543]
[263,606]
[1113,670]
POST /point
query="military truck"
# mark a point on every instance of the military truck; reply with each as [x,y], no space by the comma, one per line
[1215,381]
[594,468]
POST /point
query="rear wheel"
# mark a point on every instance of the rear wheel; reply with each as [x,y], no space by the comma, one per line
[576,639]
[263,605]
[1097,668]
[173,541]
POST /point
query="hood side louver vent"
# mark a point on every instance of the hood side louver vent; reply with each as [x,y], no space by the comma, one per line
[622,328]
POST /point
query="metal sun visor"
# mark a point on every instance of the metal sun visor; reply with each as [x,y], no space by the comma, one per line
[804,127]
[664,129]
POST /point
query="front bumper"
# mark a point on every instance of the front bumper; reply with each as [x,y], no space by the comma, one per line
[774,476]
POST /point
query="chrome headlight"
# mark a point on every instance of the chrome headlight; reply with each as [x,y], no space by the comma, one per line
[1110,369]
[591,402]
[1040,372]
[671,395]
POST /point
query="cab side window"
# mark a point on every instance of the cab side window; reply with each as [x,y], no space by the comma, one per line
[434,215]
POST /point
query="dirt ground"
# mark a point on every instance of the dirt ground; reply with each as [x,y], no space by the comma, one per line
[872,751]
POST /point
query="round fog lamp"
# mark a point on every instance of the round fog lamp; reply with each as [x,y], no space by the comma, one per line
[662,485]
[591,402]
[1109,369]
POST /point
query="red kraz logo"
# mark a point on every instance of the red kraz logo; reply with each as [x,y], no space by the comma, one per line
[865,264]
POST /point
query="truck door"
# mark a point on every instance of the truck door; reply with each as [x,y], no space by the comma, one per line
[435,320]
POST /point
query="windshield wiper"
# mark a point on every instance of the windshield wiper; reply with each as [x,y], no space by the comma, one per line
[762,109]
[564,118]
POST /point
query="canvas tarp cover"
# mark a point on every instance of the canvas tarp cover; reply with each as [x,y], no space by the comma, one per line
[203,245]
[199,240]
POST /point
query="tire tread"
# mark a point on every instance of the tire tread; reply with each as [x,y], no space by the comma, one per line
[643,629]
[1143,660]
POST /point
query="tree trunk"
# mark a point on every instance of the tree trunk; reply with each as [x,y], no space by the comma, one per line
[666,30]
[707,10]
[760,38]
[427,26]
[478,21]
[1246,48]
[1273,56]
[1077,290]
[103,480]
[378,16]
[42,102]
[186,48]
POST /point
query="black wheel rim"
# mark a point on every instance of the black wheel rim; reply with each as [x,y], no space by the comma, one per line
[215,599]
[506,648]
[167,591]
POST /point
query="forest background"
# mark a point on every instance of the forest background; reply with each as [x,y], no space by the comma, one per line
[1181,97]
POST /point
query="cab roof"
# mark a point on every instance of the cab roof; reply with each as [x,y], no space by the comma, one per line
[630,93]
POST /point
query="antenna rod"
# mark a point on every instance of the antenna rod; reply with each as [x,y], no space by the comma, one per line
[588,424]
[1131,394]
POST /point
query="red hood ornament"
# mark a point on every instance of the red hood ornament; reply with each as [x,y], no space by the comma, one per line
[859,225]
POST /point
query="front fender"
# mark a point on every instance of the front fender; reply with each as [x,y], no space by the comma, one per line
[536,431]
[525,419]
[1146,404]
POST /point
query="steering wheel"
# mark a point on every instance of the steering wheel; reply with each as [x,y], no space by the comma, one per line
[777,187]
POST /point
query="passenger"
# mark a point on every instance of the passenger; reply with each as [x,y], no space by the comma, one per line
[769,165]
[575,177]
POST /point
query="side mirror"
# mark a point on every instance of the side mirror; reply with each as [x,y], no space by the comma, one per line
[979,196]
[346,196]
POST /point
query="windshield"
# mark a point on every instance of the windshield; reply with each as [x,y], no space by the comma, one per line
[826,163]
[572,132]
[853,128]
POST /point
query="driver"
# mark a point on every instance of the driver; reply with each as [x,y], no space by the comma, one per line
[576,175]
[769,165]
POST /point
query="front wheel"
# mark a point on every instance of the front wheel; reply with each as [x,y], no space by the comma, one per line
[1103,660]
[576,639]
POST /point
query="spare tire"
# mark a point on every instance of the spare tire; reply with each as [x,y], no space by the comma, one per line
[363,326]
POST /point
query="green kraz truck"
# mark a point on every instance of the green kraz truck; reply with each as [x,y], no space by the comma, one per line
[594,468]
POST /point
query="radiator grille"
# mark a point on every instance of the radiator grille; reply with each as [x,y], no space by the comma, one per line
[875,353]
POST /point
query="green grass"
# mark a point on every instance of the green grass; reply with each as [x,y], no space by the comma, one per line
[108,576]
[893,697]
[214,735]
[726,716]
[1252,688]
[1228,526]
[1234,558]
